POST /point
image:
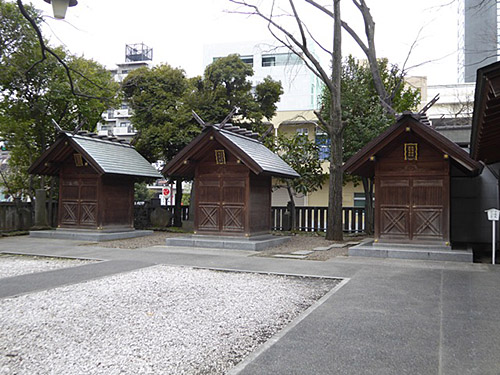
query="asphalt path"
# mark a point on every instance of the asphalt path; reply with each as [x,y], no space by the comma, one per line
[388,317]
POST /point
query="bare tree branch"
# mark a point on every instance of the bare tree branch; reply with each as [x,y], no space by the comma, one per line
[46,50]
[367,48]
[318,69]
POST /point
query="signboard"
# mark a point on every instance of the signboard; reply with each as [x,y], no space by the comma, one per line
[493,214]
[167,192]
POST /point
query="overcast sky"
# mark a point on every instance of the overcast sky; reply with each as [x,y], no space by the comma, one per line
[178,30]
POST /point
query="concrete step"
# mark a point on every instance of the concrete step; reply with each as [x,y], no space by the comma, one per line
[416,252]
[89,235]
[221,242]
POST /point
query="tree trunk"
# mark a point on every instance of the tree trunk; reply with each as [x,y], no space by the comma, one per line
[369,212]
[52,199]
[178,201]
[291,208]
[334,224]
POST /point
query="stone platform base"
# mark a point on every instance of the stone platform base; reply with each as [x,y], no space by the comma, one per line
[221,242]
[89,235]
[409,251]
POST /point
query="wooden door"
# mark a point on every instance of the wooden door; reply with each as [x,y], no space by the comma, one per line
[412,209]
[428,209]
[393,206]
[221,204]
[78,202]
[232,205]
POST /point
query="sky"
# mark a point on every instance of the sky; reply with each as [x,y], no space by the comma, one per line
[178,31]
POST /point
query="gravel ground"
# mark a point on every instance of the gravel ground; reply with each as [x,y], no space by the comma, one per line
[297,242]
[156,239]
[159,320]
[15,265]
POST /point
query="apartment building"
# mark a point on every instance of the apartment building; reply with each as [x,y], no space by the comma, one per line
[116,121]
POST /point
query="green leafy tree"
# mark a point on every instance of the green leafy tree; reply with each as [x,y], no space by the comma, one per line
[225,85]
[141,192]
[363,114]
[161,115]
[35,92]
[303,156]
[164,122]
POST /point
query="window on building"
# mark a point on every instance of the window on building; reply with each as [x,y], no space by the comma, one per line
[323,142]
[302,131]
[111,113]
[281,59]
[124,106]
[268,61]
[247,60]
[124,124]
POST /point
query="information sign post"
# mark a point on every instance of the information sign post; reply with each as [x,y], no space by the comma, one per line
[493,216]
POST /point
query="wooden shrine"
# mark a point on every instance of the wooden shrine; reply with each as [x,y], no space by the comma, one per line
[485,137]
[232,174]
[96,180]
[410,163]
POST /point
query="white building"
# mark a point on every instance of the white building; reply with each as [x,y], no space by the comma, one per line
[478,36]
[300,86]
[455,101]
[116,121]
[451,115]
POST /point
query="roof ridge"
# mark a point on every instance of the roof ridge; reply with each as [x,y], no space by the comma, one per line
[241,136]
[103,138]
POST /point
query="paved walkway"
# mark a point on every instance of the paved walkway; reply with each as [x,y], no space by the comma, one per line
[391,317]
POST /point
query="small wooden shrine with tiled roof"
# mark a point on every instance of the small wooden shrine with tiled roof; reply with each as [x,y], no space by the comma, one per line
[96,180]
[411,164]
[232,172]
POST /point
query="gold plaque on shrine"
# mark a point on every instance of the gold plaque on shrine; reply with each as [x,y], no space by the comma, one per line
[411,151]
[78,160]
[220,157]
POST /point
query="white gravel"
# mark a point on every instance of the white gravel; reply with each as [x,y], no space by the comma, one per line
[15,265]
[159,320]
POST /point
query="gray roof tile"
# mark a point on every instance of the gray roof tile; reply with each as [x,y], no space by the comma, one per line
[260,154]
[115,157]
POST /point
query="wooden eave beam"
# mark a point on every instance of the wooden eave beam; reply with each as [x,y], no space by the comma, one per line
[493,117]
[492,107]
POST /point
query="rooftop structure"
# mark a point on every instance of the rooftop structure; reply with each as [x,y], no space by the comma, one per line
[116,121]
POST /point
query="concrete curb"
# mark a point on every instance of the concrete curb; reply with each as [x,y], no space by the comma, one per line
[278,336]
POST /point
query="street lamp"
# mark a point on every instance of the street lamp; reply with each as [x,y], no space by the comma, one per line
[60,6]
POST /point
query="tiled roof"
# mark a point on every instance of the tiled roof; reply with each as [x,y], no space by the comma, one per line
[114,157]
[260,154]
[240,141]
[107,155]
